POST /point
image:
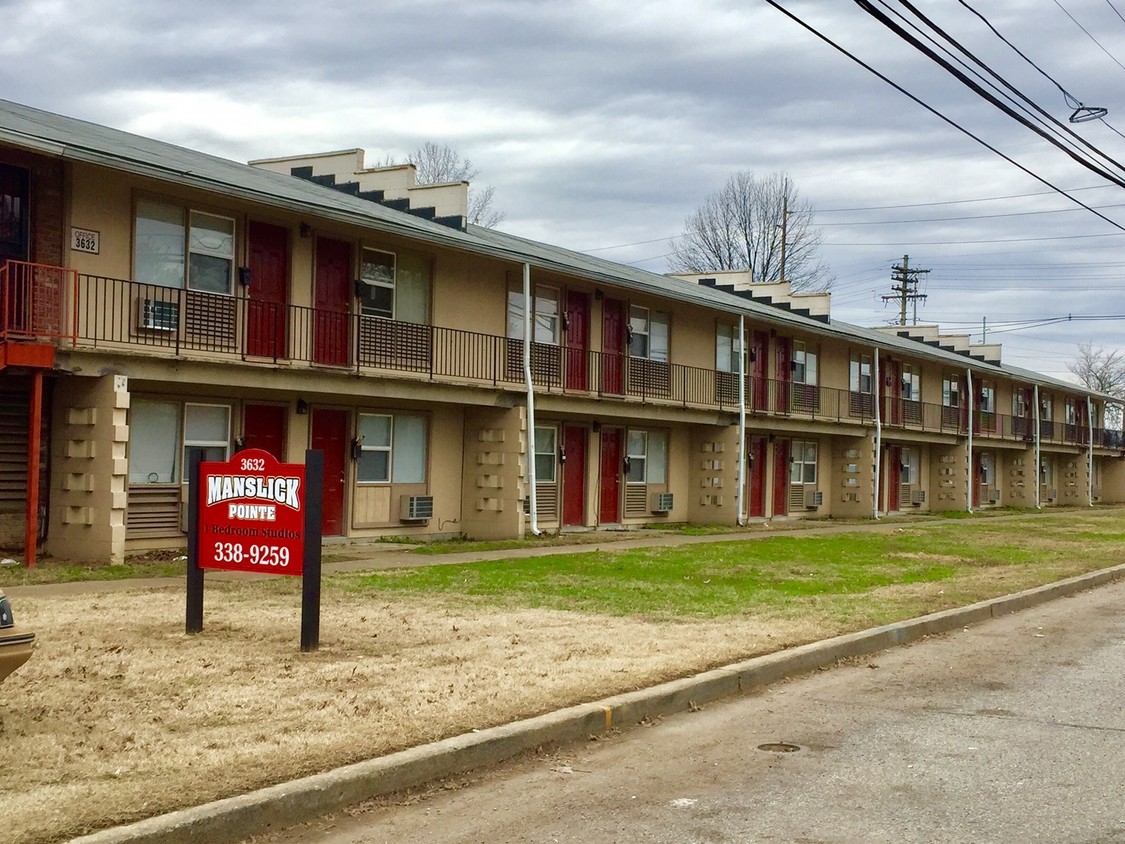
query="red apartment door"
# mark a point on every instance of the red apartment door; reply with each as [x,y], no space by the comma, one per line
[894,478]
[781,478]
[609,487]
[330,435]
[613,347]
[263,426]
[759,349]
[977,475]
[757,477]
[577,339]
[574,475]
[891,390]
[784,353]
[266,310]
[333,298]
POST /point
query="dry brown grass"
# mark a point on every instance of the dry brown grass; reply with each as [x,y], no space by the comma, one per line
[120,715]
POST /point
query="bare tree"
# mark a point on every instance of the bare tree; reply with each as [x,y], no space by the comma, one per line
[1102,370]
[435,163]
[739,227]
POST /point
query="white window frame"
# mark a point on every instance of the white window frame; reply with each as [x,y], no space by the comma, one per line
[546,315]
[799,467]
[191,248]
[645,323]
[860,374]
[951,390]
[186,443]
[911,383]
[549,450]
[987,398]
[804,363]
[377,280]
[392,447]
[1046,407]
[652,457]
[726,347]
[909,466]
[176,447]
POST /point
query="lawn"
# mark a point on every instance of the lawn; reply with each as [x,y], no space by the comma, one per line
[121,715]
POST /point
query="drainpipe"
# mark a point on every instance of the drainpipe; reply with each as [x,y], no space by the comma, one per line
[1090,452]
[972,402]
[1038,457]
[527,311]
[741,419]
[876,395]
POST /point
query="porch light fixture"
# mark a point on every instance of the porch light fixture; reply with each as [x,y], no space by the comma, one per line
[302,407]
[306,230]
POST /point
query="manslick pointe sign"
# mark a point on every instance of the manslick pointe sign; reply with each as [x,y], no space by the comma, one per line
[252,514]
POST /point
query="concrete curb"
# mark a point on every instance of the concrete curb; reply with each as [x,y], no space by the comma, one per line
[282,805]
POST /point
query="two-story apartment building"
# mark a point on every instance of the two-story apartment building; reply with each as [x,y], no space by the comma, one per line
[159,302]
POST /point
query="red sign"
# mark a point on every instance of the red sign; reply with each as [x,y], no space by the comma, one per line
[252,514]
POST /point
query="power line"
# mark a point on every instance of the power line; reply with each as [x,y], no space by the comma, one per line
[1088,35]
[960,201]
[935,112]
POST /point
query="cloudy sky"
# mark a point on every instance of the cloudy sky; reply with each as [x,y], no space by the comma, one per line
[601,124]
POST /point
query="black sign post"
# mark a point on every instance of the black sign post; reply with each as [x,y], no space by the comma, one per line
[310,579]
[194,572]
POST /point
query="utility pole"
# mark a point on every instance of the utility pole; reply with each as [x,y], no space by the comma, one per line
[905,289]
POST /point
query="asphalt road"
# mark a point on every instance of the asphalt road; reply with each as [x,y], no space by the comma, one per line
[1012,731]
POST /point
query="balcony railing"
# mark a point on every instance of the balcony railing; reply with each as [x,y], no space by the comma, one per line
[118,315]
[31,301]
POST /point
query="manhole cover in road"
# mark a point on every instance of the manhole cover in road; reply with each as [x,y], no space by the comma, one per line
[779,747]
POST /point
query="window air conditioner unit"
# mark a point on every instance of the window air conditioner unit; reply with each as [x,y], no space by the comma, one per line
[814,498]
[661,502]
[158,315]
[417,508]
[918,497]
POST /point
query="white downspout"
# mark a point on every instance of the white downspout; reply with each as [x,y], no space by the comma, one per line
[1090,452]
[741,419]
[527,313]
[876,395]
[972,402]
[1038,457]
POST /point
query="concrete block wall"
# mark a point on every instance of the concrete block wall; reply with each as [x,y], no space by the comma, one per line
[89,469]
[493,471]
[713,475]
[852,477]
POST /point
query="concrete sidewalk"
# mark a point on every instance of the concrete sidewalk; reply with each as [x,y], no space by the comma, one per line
[276,807]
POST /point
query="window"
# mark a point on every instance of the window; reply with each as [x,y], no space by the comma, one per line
[909,467]
[648,334]
[987,468]
[860,374]
[395,286]
[392,449]
[206,432]
[1019,402]
[911,383]
[726,348]
[987,398]
[168,253]
[546,454]
[804,363]
[154,442]
[802,466]
[156,434]
[951,391]
[1070,412]
[1045,407]
[545,318]
[648,457]
[1046,471]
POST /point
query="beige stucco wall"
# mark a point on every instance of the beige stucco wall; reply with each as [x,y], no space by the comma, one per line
[493,455]
[851,476]
[712,463]
[89,468]
[949,477]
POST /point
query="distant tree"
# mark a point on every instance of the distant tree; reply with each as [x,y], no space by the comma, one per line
[436,163]
[739,227]
[1102,370]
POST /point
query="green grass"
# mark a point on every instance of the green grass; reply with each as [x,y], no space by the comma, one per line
[54,571]
[727,578]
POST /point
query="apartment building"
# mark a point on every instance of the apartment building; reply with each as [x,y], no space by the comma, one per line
[159,302]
